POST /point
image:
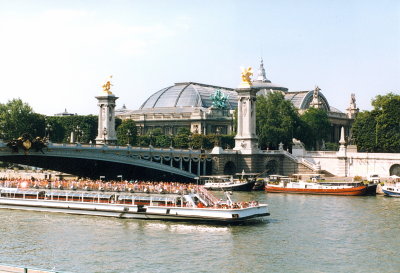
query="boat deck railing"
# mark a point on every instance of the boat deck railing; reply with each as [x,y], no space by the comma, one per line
[209,198]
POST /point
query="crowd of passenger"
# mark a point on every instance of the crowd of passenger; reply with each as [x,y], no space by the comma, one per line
[100,185]
[119,186]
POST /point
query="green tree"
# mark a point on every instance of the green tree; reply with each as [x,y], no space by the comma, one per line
[127,133]
[379,130]
[315,127]
[17,118]
[183,138]
[277,120]
[364,131]
[62,127]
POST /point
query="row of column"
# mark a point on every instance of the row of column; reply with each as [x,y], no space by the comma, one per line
[190,165]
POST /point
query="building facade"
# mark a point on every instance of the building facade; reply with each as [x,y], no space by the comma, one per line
[190,105]
[184,105]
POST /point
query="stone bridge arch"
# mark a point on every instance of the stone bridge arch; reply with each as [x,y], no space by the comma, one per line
[230,168]
[395,169]
[271,166]
[95,160]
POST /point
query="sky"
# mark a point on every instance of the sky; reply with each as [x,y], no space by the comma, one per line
[55,55]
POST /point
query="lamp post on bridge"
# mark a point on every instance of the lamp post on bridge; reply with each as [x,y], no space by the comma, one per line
[104,135]
[129,134]
[78,132]
[48,130]
[151,138]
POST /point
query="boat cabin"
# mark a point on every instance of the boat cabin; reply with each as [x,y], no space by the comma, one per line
[199,199]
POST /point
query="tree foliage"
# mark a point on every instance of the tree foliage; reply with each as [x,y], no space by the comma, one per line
[315,127]
[85,127]
[379,130]
[17,118]
[277,121]
[127,132]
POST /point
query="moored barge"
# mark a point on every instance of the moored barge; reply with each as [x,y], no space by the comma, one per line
[345,188]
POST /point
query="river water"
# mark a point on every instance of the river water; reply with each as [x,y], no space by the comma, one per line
[305,233]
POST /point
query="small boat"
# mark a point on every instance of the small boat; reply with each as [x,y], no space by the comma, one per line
[197,205]
[288,185]
[392,186]
[227,183]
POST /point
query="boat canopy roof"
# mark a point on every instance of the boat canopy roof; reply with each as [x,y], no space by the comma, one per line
[21,191]
[95,194]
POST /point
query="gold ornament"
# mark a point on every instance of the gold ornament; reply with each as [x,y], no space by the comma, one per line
[107,86]
[246,74]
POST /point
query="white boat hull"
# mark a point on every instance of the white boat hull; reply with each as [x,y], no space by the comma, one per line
[137,212]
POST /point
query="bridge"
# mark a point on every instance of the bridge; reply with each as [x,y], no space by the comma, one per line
[170,164]
[91,160]
[111,161]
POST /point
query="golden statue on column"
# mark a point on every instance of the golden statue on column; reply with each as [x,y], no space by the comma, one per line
[107,86]
[246,77]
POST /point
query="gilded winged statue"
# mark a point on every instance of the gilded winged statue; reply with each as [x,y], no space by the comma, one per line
[246,76]
[107,86]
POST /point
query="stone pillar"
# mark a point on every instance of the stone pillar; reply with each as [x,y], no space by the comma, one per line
[342,156]
[106,128]
[198,167]
[246,140]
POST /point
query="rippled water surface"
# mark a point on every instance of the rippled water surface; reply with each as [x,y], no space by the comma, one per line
[304,233]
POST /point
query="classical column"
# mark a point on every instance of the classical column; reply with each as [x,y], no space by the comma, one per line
[341,168]
[246,140]
[198,167]
[106,125]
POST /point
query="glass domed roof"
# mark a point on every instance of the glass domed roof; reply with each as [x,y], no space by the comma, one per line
[188,94]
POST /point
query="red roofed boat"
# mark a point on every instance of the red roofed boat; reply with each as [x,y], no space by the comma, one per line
[286,185]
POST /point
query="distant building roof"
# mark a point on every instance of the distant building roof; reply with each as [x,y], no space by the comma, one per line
[302,100]
[120,111]
[188,94]
[263,83]
[65,113]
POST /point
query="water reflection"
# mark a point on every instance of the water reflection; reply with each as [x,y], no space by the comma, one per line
[303,233]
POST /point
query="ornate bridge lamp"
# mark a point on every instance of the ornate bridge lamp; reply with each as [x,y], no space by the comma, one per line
[190,144]
[129,134]
[151,138]
[78,132]
[218,133]
[104,135]
[48,130]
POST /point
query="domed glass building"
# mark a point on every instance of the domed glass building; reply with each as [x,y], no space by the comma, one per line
[185,105]
[190,105]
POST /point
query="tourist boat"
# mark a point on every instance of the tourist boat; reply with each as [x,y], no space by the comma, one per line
[392,187]
[198,205]
[287,185]
[228,183]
